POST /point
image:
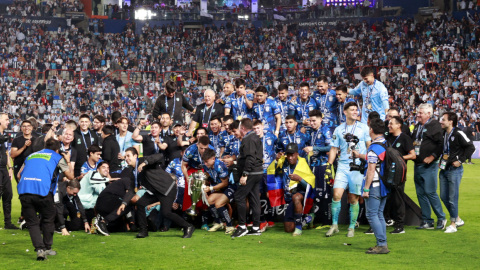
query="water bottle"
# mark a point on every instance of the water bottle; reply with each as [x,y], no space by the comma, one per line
[391,174]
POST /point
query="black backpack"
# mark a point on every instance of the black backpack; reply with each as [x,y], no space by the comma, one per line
[393,177]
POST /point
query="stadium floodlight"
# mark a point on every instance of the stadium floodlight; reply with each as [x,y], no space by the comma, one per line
[143,14]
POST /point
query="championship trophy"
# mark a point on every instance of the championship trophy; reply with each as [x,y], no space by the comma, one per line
[196,184]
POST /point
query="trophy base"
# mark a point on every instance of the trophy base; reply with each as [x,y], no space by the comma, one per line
[191,212]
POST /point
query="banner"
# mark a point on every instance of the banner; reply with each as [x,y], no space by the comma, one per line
[203,5]
[50,22]
[328,23]
[254,6]
[476,154]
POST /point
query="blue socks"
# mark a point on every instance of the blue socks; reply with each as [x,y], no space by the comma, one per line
[223,213]
[336,206]
[298,220]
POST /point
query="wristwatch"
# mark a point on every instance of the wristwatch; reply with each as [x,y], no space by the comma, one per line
[244,174]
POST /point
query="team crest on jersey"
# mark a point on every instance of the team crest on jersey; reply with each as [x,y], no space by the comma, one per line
[425,130]
[267,109]
[269,142]
[330,98]
[398,145]
[334,137]
[178,99]
[386,133]
[79,141]
[319,136]
[453,138]
[196,159]
[299,140]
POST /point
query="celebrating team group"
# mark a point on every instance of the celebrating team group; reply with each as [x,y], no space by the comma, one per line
[302,151]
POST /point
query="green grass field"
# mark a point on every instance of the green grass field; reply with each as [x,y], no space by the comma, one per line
[426,249]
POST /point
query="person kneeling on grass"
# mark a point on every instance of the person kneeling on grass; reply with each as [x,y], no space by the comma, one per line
[222,192]
[292,182]
[70,212]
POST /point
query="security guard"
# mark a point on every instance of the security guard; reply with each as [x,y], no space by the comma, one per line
[37,186]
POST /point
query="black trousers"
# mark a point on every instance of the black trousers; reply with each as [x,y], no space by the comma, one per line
[6,194]
[74,223]
[395,206]
[107,206]
[166,203]
[252,191]
[33,204]
[90,213]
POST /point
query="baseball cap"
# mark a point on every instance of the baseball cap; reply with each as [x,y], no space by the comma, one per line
[292,148]
[177,123]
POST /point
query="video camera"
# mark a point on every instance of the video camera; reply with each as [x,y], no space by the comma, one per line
[351,138]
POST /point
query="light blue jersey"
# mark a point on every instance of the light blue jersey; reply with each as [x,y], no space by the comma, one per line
[375,98]
[358,129]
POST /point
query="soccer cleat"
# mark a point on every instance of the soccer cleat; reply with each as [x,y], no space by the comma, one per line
[239,232]
[441,224]
[229,230]
[378,250]
[451,229]
[270,224]
[297,232]
[102,227]
[263,226]
[41,255]
[426,225]
[390,222]
[459,223]
[23,225]
[398,231]
[216,227]
[10,226]
[333,229]
[188,231]
[369,231]
[254,232]
[350,232]
[308,221]
[205,227]
[50,252]
[250,224]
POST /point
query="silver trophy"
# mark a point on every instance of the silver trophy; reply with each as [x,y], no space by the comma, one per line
[196,184]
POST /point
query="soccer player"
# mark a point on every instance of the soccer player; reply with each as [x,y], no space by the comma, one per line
[326,102]
[232,145]
[94,158]
[374,94]
[301,106]
[282,104]
[216,137]
[269,141]
[222,191]
[294,196]
[192,158]
[344,140]
[239,104]
[266,110]
[320,140]
[93,183]
[292,135]
[341,93]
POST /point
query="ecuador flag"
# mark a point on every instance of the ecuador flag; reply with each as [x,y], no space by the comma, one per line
[275,183]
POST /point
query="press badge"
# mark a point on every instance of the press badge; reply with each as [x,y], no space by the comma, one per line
[417,147]
[443,162]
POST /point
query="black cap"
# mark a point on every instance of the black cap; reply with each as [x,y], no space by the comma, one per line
[177,123]
[292,148]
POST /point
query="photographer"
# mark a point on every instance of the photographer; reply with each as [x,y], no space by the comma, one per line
[350,137]
[374,192]
[37,187]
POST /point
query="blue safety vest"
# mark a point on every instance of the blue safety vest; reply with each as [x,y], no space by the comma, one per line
[39,172]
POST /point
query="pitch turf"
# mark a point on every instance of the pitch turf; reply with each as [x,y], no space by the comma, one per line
[431,249]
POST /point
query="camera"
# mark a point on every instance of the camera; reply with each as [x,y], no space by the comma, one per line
[353,141]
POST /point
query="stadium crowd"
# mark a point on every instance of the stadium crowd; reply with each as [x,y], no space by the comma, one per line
[126,142]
